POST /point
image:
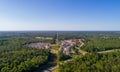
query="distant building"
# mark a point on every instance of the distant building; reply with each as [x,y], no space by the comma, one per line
[40,45]
[66,45]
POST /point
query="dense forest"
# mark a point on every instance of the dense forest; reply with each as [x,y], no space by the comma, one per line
[102,43]
[15,56]
[22,60]
[93,62]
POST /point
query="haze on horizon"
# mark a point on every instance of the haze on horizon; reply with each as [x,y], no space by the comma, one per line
[59,15]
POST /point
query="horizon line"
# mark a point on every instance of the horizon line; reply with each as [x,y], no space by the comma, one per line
[58,30]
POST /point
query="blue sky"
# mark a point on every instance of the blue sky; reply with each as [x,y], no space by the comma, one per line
[59,15]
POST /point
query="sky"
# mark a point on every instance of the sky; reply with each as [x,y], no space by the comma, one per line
[76,15]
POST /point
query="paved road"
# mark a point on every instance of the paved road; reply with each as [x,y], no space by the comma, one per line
[107,51]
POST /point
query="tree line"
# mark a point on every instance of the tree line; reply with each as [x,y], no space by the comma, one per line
[93,62]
